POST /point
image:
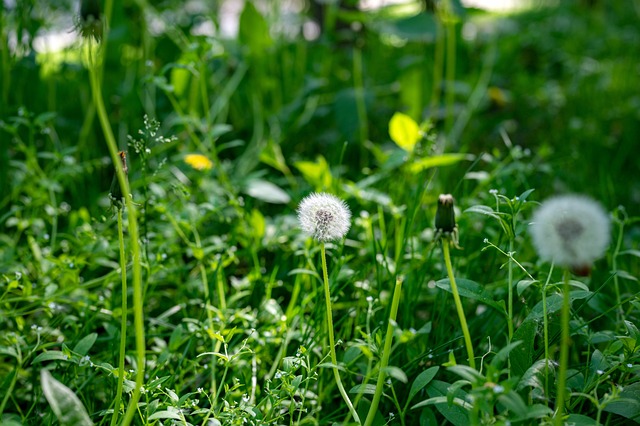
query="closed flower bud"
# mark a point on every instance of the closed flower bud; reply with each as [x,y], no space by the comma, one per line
[325,217]
[445,216]
[571,231]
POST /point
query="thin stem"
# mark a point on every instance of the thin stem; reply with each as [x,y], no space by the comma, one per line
[94,71]
[332,348]
[123,321]
[510,301]
[564,351]
[385,354]
[456,298]
[545,320]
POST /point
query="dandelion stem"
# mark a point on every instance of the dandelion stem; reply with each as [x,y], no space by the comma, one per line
[96,89]
[545,321]
[564,351]
[385,353]
[123,322]
[456,298]
[510,301]
[332,348]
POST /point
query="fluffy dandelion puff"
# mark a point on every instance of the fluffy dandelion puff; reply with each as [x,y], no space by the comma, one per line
[198,161]
[324,216]
[570,230]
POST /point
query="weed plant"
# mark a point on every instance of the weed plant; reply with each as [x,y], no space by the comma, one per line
[197,299]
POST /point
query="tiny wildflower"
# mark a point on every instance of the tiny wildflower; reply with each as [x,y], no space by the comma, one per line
[198,161]
[324,216]
[570,230]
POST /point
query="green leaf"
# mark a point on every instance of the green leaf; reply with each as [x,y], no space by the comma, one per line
[629,404]
[472,290]
[522,285]
[85,344]
[64,403]
[404,131]
[318,173]
[502,355]
[522,355]
[257,223]
[452,412]
[580,420]
[422,380]
[396,373]
[436,161]
[368,389]
[554,303]
[50,356]
[170,413]
[267,192]
[253,30]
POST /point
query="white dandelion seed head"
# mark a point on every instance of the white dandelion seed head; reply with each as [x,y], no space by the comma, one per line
[570,230]
[324,216]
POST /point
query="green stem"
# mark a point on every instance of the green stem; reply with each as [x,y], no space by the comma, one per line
[94,71]
[456,298]
[564,351]
[510,301]
[545,320]
[385,354]
[332,345]
[123,322]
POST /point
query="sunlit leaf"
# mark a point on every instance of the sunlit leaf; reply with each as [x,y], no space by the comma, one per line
[63,401]
[404,131]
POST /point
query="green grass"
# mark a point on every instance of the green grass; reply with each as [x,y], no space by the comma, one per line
[233,293]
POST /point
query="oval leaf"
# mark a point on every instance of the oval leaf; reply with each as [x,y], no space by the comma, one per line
[404,131]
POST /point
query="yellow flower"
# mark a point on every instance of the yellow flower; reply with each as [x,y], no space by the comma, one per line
[198,161]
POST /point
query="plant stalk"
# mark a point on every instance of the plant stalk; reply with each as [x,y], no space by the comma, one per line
[564,351]
[456,298]
[384,362]
[332,345]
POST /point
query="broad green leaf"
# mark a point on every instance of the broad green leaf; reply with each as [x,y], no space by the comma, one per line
[64,403]
[472,290]
[436,161]
[267,192]
[469,374]
[404,131]
[437,392]
[522,355]
[629,404]
[422,380]
[580,420]
[318,173]
[253,30]
[522,285]
[503,354]
[85,344]
[257,223]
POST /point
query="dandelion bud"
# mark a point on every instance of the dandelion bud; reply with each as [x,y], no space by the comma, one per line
[89,23]
[445,216]
[325,217]
[116,192]
[571,231]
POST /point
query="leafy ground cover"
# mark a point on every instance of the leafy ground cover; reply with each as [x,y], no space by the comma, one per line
[198,299]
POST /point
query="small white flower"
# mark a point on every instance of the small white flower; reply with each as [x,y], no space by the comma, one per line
[570,230]
[324,216]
